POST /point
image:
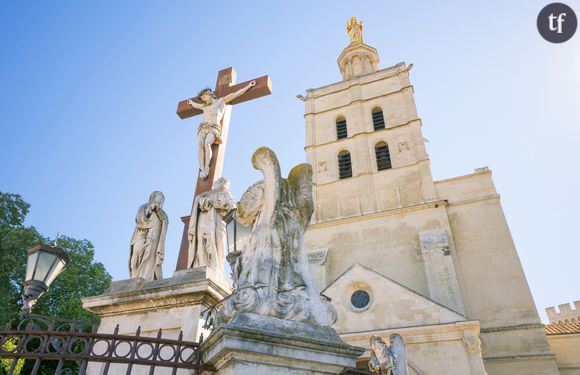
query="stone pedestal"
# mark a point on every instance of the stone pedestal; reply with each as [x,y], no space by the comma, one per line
[253,344]
[174,304]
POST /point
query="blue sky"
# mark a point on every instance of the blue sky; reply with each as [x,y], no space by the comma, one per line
[88,92]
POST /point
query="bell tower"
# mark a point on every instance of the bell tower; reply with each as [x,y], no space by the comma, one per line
[363,137]
[395,250]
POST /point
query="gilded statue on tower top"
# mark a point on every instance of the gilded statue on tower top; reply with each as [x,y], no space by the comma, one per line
[354,29]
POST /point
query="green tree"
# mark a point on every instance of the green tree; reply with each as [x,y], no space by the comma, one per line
[5,363]
[83,276]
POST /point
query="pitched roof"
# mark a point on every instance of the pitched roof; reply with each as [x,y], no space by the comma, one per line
[359,265]
[562,328]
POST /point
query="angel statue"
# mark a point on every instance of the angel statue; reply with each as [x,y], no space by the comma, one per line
[388,359]
[272,273]
[148,242]
[354,30]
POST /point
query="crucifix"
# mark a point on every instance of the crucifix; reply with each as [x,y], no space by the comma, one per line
[213,132]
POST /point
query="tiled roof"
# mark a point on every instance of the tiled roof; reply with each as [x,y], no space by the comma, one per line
[562,328]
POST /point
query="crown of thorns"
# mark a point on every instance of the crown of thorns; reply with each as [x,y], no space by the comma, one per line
[207,90]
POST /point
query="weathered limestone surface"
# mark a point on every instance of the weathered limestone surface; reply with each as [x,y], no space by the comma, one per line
[147,248]
[276,321]
[174,304]
[378,219]
[271,274]
[251,344]
[207,228]
[566,313]
[565,347]
[435,335]
[439,269]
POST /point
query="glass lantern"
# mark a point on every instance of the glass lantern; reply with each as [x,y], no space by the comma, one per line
[238,236]
[44,264]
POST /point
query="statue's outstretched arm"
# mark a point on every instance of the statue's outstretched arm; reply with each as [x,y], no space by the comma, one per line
[228,98]
[195,105]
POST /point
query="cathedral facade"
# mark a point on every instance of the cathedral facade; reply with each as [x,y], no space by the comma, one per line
[397,251]
[393,250]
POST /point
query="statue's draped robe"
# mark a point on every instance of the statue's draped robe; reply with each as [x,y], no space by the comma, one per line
[274,277]
[148,244]
[355,33]
[207,229]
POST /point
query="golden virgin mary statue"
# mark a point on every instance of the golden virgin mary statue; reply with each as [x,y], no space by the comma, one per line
[354,29]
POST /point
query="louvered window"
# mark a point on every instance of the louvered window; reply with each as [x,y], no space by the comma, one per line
[344,165]
[341,131]
[383,156]
[378,119]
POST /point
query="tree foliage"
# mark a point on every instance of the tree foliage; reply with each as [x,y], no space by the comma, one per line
[83,277]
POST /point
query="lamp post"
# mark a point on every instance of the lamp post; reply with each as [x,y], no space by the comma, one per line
[44,264]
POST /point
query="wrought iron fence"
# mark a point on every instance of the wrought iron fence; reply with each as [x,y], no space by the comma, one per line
[68,346]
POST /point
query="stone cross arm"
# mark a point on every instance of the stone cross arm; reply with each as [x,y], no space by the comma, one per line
[263,87]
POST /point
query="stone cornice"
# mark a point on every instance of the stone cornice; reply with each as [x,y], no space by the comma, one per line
[381,74]
[474,200]
[376,215]
[513,328]
[529,357]
[419,334]
[355,48]
[463,177]
[288,347]
[186,288]
[414,164]
[361,100]
[361,134]
[153,305]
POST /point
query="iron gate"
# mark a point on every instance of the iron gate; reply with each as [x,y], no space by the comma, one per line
[67,347]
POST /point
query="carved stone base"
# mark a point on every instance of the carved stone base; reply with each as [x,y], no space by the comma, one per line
[253,344]
[172,304]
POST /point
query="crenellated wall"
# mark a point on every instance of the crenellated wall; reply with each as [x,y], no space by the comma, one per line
[567,313]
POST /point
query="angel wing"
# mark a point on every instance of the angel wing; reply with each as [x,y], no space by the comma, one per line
[300,191]
[398,349]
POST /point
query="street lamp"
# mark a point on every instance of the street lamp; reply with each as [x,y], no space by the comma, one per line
[44,264]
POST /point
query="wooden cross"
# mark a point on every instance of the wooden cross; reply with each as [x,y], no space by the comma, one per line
[225,85]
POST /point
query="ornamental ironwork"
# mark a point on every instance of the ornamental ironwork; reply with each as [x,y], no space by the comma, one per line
[68,346]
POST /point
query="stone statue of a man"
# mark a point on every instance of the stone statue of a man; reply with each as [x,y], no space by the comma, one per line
[207,228]
[210,129]
[148,241]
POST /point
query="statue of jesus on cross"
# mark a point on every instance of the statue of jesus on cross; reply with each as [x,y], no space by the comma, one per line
[210,129]
[212,134]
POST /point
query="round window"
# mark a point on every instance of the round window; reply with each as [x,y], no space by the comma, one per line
[360,299]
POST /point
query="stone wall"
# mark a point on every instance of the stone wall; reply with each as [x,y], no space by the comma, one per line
[376,219]
[566,313]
